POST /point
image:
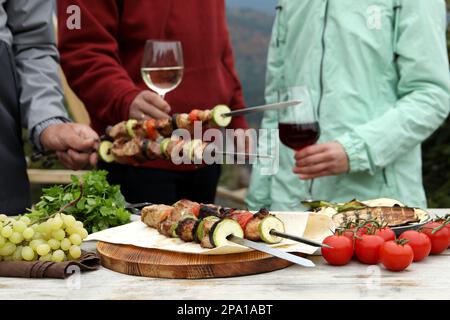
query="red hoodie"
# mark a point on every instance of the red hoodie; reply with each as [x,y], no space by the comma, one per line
[102,59]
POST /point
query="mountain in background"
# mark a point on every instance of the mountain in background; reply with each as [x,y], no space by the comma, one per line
[267,6]
[250,34]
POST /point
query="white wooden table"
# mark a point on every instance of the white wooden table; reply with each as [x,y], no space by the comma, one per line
[429,279]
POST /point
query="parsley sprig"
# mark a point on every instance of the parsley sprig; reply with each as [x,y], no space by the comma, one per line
[100,205]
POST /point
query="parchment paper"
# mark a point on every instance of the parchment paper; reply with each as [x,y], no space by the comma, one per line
[314,226]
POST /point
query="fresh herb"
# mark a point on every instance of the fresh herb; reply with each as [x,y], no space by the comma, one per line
[100,205]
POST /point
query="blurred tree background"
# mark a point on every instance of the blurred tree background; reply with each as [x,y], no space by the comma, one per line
[436,158]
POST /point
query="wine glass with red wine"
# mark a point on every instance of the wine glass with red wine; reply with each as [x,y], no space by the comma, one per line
[162,65]
[298,125]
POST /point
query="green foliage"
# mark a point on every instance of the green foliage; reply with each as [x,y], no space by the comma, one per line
[101,205]
[436,161]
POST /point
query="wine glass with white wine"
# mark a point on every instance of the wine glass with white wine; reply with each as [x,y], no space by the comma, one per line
[162,65]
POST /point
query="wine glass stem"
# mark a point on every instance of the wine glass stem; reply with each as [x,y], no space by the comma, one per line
[309,186]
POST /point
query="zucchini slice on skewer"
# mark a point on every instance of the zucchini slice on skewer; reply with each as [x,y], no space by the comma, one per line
[267,225]
[222,229]
[105,151]
[163,147]
[130,127]
[218,117]
[198,237]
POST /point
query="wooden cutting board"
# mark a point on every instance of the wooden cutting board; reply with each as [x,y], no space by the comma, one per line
[174,265]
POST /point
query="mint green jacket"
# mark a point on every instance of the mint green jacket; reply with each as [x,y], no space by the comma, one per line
[378,74]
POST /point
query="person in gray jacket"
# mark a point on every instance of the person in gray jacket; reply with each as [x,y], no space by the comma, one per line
[31,97]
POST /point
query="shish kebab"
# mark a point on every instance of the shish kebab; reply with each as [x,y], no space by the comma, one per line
[218,117]
[211,225]
[154,129]
[139,150]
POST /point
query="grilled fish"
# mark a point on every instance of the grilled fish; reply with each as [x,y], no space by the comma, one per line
[392,216]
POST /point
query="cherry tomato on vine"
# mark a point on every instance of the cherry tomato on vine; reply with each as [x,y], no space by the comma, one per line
[396,255]
[341,252]
[440,239]
[445,221]
[349,234]
[419,242]
[386,233]
[367,248]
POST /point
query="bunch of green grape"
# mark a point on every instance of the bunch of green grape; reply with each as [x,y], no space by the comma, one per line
[57,239]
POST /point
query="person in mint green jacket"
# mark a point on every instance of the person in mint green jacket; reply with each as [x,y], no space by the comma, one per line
[378,76]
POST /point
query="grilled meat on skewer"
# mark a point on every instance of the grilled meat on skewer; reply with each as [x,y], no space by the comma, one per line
[155,214]
[185,229]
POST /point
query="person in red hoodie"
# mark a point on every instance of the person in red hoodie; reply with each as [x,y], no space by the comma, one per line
[102,61]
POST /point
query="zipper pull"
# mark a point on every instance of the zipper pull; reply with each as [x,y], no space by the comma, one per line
[279,9]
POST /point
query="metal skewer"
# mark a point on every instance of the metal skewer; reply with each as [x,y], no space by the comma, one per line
[272,251]
[263,108]
[225,153]
[299,239]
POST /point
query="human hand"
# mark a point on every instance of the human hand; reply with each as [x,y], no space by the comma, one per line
[320,160]
[148,104]
[75,144]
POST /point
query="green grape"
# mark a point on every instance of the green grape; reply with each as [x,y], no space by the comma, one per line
[82,232]
[16,237]
[7,231]
[65,244]
[25,220]
[71,230]
[2,241]
[46,236]
[69,220]
[17,255]
[19,226]
[75,239]
[38,235]
[44,228]
[27,253]
[43,249]
[35,227]
[28,233]
[8,249]
[54,244]
[75,252]
[3,217]
[34,243]
[58,234]
[56,223]
[78,224]
[47,257]
[58,256]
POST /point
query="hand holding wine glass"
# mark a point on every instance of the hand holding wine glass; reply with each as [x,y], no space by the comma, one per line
[298,125]
[321,160]
[148,104]
[162,70]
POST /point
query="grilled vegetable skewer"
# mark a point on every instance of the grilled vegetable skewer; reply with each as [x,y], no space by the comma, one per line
[138,150]
[191,221]
[153,129]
